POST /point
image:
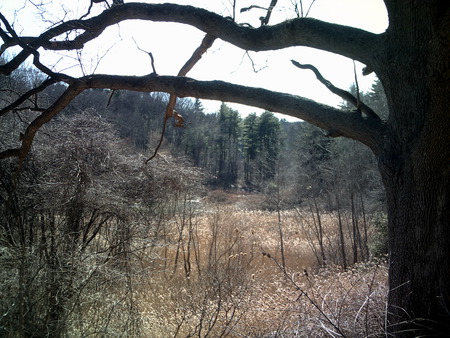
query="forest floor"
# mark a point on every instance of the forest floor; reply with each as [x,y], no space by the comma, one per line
[229,268]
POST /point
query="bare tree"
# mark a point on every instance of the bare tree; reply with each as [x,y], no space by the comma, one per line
[412,146]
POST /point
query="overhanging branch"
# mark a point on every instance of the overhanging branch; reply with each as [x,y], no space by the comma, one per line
[340,123]
[206,43]
[367,130]
[27,138]
[345,95]
[351,42]
[354,43]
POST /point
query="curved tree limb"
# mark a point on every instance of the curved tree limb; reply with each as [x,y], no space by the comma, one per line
[27,95]
[28,136]
[338,122]
[347,41]
[365,129]
[345,95]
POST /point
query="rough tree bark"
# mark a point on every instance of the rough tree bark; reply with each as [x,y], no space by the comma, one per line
[415,167]
[412,62]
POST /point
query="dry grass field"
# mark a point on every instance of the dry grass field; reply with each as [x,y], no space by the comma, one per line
[221,272]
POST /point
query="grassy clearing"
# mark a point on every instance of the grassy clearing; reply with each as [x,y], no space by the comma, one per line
[219,273]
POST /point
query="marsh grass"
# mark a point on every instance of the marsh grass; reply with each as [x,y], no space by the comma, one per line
[222,277]
[213,269]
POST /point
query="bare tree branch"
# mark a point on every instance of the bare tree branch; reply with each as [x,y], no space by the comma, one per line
[367,130]
[345,95]
[152,59]
[207,42]
[27,138]
[337,122]
[27,95]
[347,41]
[32,51]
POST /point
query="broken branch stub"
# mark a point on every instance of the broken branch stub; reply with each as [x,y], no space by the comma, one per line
[206,43]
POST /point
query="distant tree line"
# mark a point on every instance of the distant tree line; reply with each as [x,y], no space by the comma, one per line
[248,152]
[231,149]
[234,150]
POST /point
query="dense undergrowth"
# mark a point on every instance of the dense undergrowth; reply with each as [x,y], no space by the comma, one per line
[95,243]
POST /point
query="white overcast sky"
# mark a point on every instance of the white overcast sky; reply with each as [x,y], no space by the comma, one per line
[172,44]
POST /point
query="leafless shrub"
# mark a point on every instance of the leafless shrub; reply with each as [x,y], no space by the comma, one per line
[332,303]
[234,290]
[202,291]
[81,219]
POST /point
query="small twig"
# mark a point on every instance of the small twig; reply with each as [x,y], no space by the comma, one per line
[152,59]
[358,99]
[89,10]
[264,19]
[294,3]
[100,58]
[309,8]
[253,63]
[245,9]
[161,139]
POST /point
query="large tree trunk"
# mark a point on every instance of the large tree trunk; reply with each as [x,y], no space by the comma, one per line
[419,242]
[415,168]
